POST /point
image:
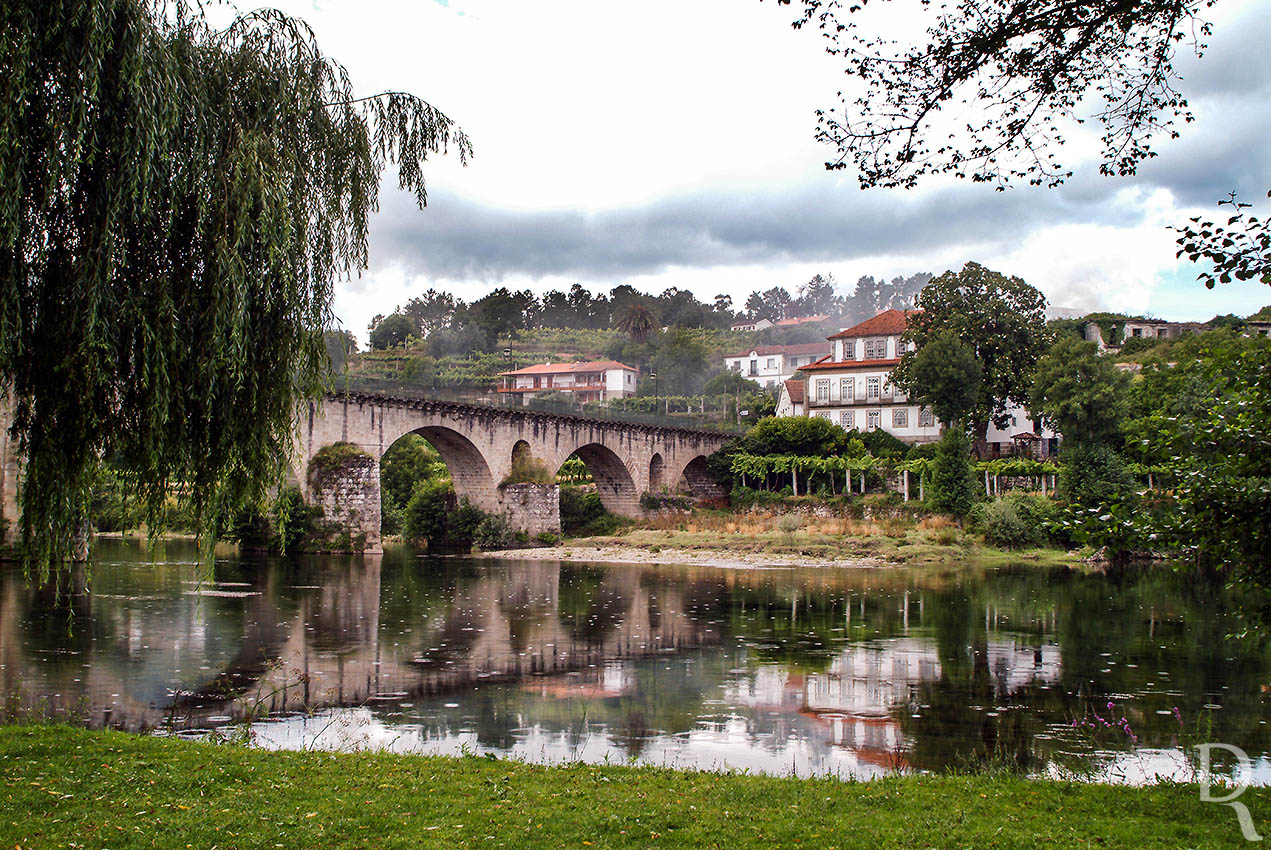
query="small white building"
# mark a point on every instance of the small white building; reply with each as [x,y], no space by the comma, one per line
[790,401]
[770,365]
[596,380]
[756,325]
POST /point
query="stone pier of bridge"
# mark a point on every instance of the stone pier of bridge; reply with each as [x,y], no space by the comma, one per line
[478,445]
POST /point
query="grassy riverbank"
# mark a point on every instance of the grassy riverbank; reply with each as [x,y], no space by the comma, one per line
[749,537]
[63,787]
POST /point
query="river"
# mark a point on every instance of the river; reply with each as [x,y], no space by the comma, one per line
[849,672]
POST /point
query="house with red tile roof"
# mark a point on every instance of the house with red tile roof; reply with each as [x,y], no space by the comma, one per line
[770,365]
[851,387]
[790,401]
[595,380]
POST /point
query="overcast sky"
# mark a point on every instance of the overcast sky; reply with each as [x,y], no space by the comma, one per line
[664,143]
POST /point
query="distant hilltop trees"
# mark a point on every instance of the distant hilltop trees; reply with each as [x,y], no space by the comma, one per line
[453,327]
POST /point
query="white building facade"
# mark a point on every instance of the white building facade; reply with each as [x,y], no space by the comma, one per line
[852,385]
[771,365]
[596,380]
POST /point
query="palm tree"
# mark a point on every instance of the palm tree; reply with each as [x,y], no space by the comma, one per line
[638,321]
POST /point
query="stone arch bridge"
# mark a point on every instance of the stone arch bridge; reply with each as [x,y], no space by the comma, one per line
[478,444]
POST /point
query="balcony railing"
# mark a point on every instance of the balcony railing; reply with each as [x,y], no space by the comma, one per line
[894,397]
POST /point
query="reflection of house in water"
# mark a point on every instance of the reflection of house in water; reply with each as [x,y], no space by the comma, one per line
[859,699]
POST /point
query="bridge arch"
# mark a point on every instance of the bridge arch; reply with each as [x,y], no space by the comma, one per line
[657,472]
[614,483]
[467,465]
[696,479]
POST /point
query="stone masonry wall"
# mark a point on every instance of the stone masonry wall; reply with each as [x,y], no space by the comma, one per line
[350,500]
[532,508]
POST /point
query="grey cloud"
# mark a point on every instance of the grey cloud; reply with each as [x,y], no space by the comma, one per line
[459,239]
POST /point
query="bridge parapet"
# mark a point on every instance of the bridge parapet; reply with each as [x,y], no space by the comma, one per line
[477,443]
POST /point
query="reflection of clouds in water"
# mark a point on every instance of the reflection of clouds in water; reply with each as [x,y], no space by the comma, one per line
[805,671]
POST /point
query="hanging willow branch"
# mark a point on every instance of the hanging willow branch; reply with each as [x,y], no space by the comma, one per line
[175,204]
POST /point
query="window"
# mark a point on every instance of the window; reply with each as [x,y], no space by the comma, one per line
[847,418]
[823,390]
[849,349]
[754,367]
[847,389]
[736,366]
[871,388]
[900,418]
[824,414]
[872,419]
[875,349]
[772,363]
[926,419]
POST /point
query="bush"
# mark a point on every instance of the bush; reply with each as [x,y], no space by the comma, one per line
[493,533]
[582,514]
[953,486]
[527,469]
[882,443]
[665,501]
[1093,475]
[1016,521]
[433,516]
[291,521]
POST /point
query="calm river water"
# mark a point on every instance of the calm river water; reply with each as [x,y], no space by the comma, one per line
[848,672]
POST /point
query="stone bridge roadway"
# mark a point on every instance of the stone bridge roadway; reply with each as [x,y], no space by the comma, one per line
[478,444]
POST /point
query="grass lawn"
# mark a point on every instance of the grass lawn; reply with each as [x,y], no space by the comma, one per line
[64,787]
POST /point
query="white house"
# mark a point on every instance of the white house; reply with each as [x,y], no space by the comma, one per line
[770,365]
[596,380]
[851,386]
[790,402]
[756,325]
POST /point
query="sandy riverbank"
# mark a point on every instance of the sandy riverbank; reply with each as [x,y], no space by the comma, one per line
[611,554]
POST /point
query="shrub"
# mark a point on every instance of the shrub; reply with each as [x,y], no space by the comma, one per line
[527,469]
[1093,475]
[953,486]
[788,524]
[882,443]
[433,516]
[291,521]
[493,532]
[1016,521]
[665,501]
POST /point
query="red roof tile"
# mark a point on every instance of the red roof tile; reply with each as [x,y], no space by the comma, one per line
[794,389]
[840,365]
[792,350]
[569,368]
[885,323]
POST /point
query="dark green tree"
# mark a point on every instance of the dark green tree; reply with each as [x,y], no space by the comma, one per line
[795,435]
[1002,319]
[176,200]
[946,376]
[953,484]
[1078,393]
[392,331]
[680,360]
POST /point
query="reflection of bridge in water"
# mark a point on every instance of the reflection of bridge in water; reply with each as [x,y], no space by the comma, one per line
[327,649]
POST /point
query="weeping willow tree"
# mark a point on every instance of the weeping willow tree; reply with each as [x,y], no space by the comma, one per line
[176,202]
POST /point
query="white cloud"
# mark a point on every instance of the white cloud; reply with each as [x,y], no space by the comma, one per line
[668,143]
